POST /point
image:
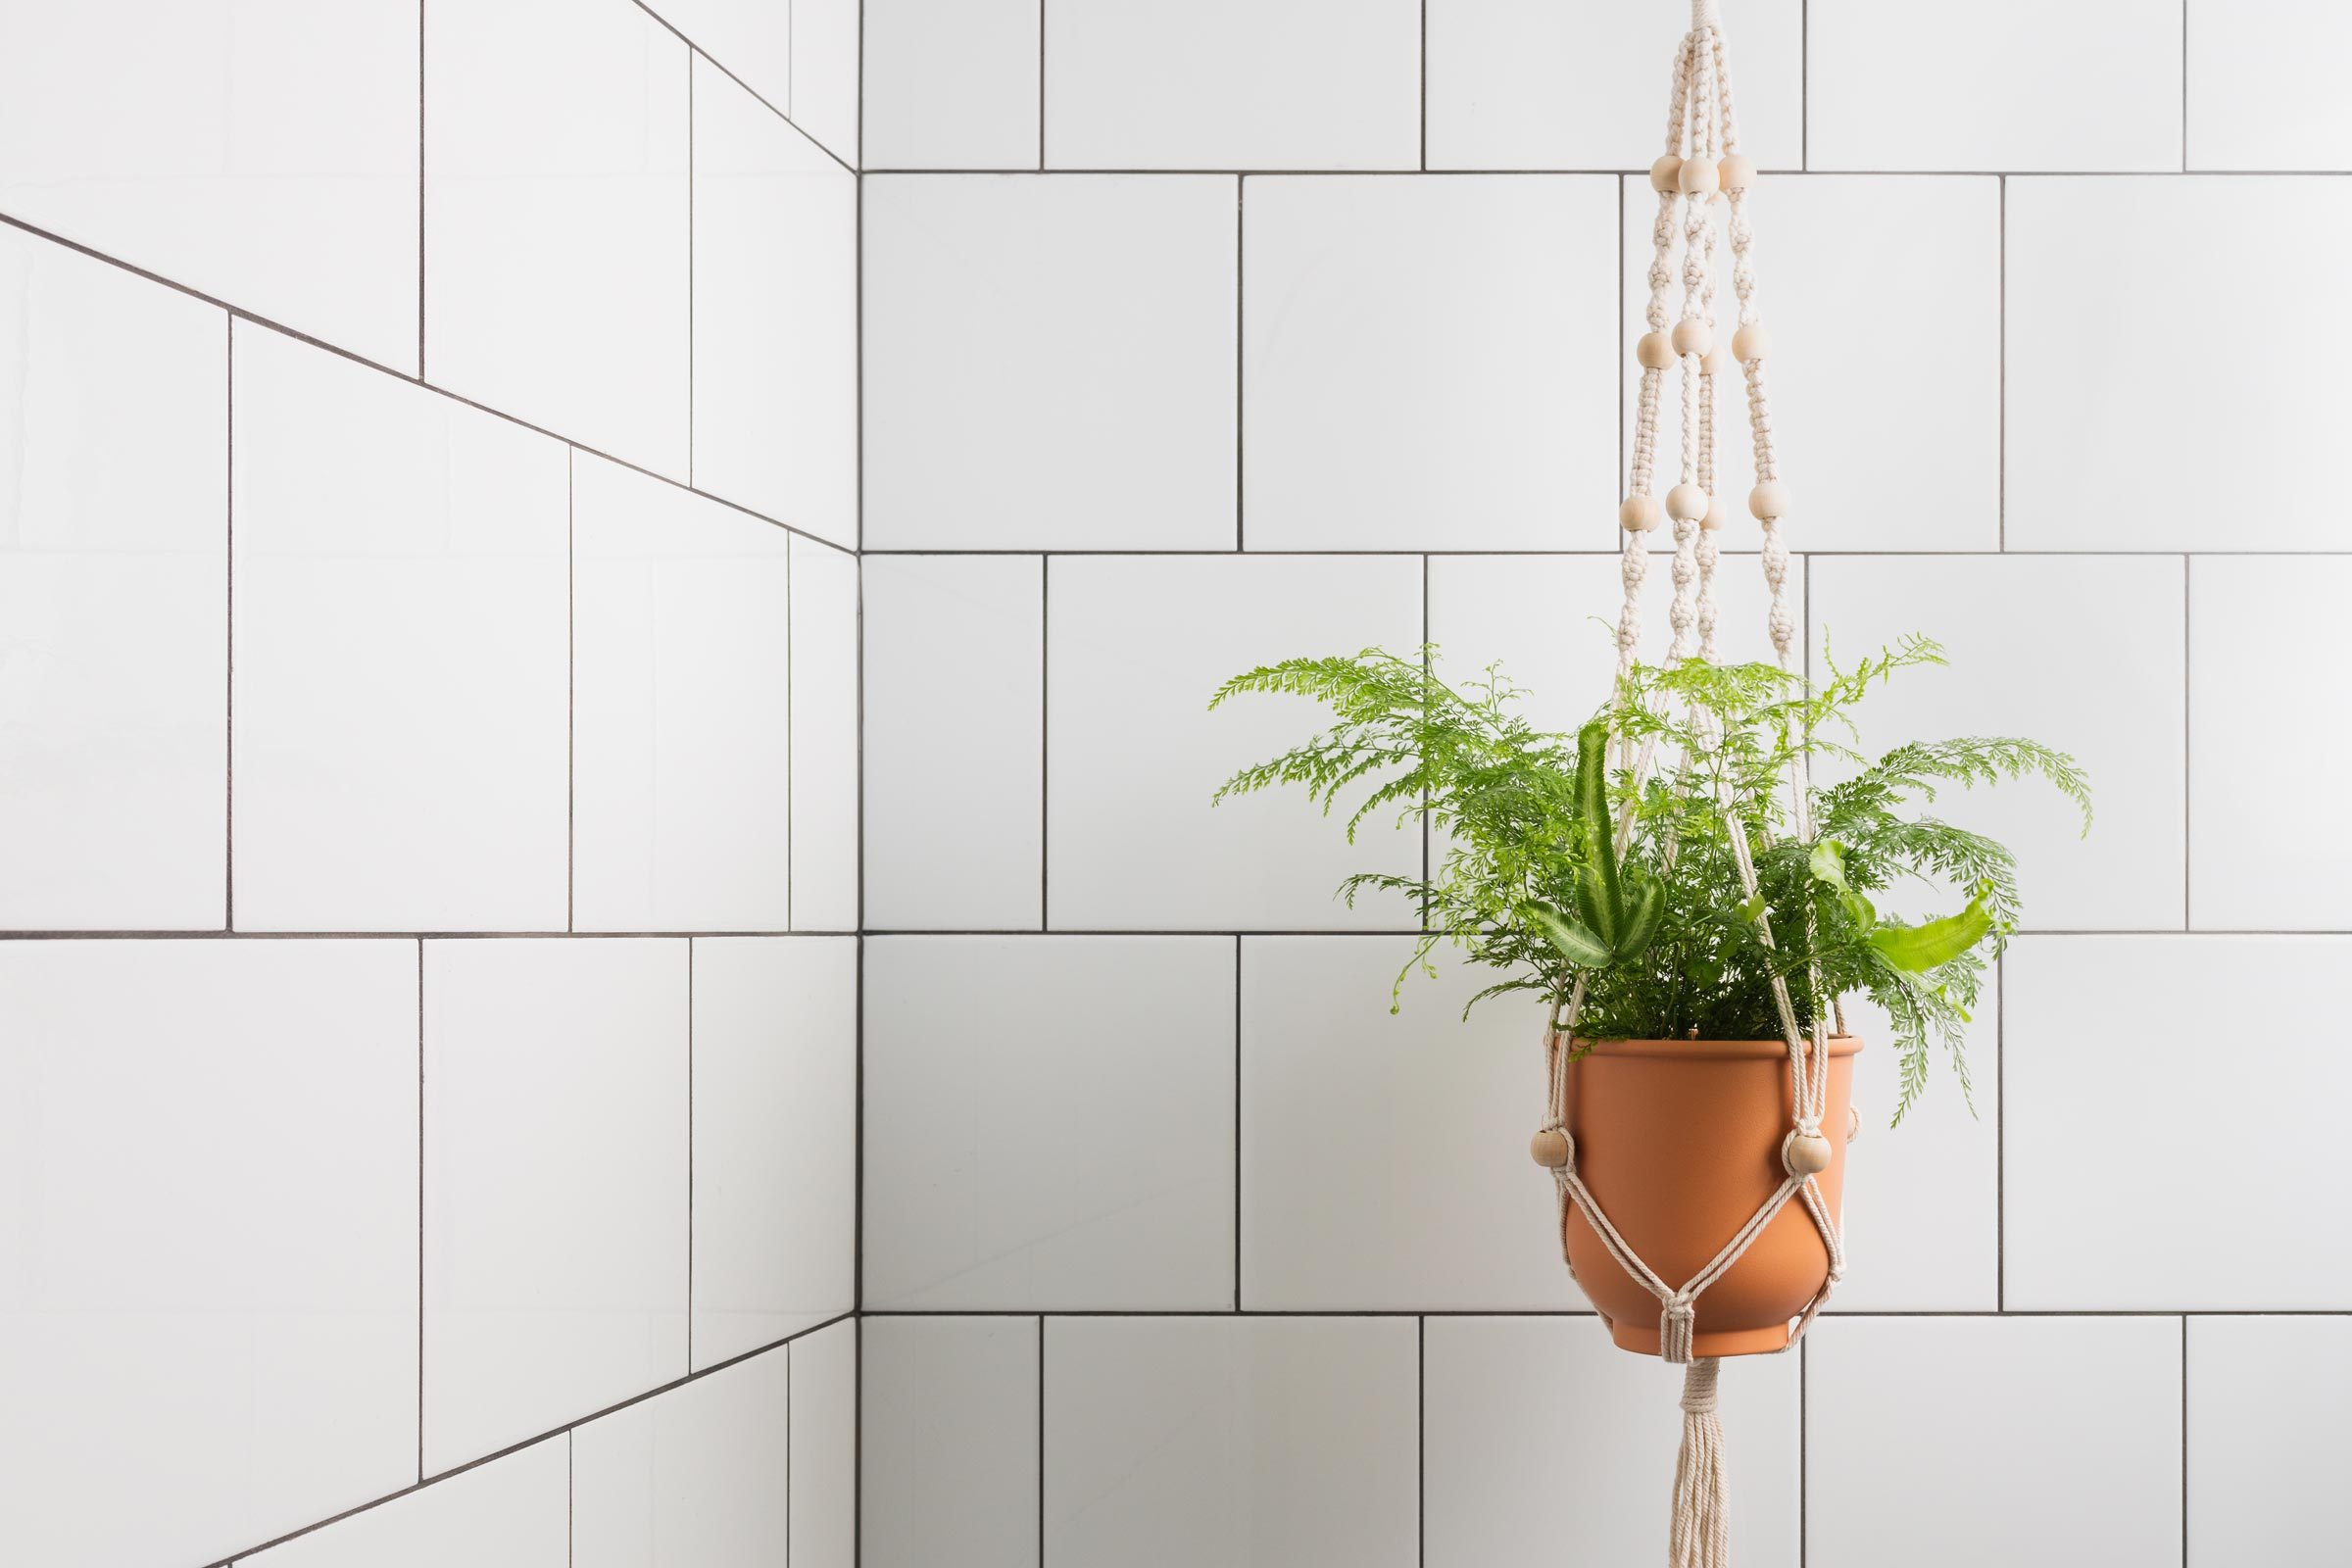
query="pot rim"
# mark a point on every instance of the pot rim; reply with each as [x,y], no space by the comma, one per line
[1713,1050]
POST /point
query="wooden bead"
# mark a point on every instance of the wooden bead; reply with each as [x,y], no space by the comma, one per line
[1685,503]
[1639,514]
[1717,359]
[1738,171]
[1654,352]
[1664,172]
[1853,1125]
[1697,177]
[1549,1149]
[1769,501]
[1717,515]
[1805,1154]
[1750,342]
[1692,335]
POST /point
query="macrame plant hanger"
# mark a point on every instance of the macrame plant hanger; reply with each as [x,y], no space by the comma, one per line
[1702,176]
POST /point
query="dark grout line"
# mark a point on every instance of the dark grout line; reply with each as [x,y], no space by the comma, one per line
[571,688]
[1062,170]
[228,585]
[420,1224]
[1041,88]
[2188,698]
[690,1159]
[1237,1124]
[420,188]
[2000,350]
[1045,742]
[1388,933]
[2184,1442]
[1828,1315]
[1041,1441]
[1926,553]
[765,102]
[2000,1131]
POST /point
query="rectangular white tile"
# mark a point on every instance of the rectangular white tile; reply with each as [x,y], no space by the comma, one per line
[1233,85]
[2269,846]
[262,152]
[1049,363]
[400,656]
[1426,363]
[556,221]
[114,587]
[2022,85]
[1072,1154]
[951,83]
[208,1284]
[697,1475]
[2110,1044]
[1539,1431]
[775,314]
[2041,1442]
[826,71]
[1434,1114]
[824,1449]
[775,1139]
[947,1442]
[1135,649]
[1869,471]
[955,738]
[1171,1442]
[2266,1445]
[513,1513]
[555,1202]
[2192,434]
[1582,83]
[825,739]
[2262,85]
[2029,638]
[681,733]
[751,39]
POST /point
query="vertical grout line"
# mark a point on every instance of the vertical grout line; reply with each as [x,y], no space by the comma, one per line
[571,682]
[786,1560]
[228,585]
[1041,86]
[1241,358]
[1804,1448]
[2185,4]
[2000,1133]
[1421,1439]
[690,178]
[421,1210]
[1044,741]
[571,1494]
[1428,667]
[1624,306]
[1041,1440]
[690,1159]
[2184,1441]
[2188,756]
[2000,327]
[792,680]
[1237,1121]
[1804,85]
[420,190]
[1424,86]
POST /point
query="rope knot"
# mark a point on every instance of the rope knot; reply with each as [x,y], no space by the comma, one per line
[1676,1329]
[1698,1387]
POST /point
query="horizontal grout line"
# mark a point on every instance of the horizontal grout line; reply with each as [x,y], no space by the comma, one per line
[1630,173]
[1828,1315]
[396,936]
[1414,931]
[1735,550]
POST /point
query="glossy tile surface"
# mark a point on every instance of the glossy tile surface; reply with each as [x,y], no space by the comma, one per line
[513,1513]
[948,1440]
[697,1475]
[826,748]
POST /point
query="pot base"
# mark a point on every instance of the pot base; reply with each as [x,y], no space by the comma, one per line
[1643,1338]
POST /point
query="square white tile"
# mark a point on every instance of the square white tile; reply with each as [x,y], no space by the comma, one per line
[2030,639]
[955,690]
[2262,89]
[2111,1059]
[400,656]
[514,1512]
[775,1139]
[1171,1442]
[824,73]
[114,587]
[1135,649]
[202,1350]
[1957,1442]
[1049,363]
[2269,848]
[1582,83]
[554,1202]
[697,1475]
[749,39]
[2022,87]
[824,1449]
[825,741]
[263,153]
[1426,362]
[1431,1113]
[951,84]
[2195,436]
[1295,84]
[1539,1431]
[775,314]
[556,221]
[2266,1446]
[1869,471]
[947,1442]
[681,733]
[1071,1156]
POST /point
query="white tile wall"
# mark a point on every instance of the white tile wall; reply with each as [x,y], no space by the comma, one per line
[697,1475]
[824,1449]
[114,584]
[1232,84]
[1431,366]
[202,1350]
[825,72]
[947,1442]
[1016,396]
[2261,94]
[555,1197]
[775,1139]
[2267,1444]
[513,1513]
[262,152]
[1076,1157]
[951,83]
[825,743]
[750,41]
[1178,1441]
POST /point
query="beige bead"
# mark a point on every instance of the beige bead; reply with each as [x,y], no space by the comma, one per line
[1639,514]
[1769,501]
[1692,335]
[1738,171]
[1655,350]
[1664,172]
[1805,1154]
[1549,1149]
[1717,515]
[1750,342]
[1697,177]
[1853,1125]
[1718,360]
[1685,503]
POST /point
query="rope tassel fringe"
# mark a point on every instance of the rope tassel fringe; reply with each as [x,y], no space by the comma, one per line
[1702,1535]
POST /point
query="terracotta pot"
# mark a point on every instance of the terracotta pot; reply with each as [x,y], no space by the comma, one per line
[1678,1141]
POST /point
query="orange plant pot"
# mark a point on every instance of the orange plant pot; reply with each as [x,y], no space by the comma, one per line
[1678,1141]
